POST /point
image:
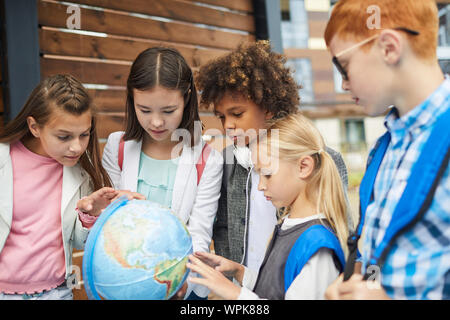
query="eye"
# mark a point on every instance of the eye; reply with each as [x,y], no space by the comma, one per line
[63,138]
[266,174]
[237,114]
[144,110]
[84,135]
[220,116]
[169,112]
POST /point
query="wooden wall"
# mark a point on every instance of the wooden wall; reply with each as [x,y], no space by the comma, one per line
[125,28]
[120,30]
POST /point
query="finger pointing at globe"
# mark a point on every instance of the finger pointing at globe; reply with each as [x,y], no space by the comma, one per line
[213,279]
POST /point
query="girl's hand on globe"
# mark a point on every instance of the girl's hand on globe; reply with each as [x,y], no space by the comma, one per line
[212,279]
[227,267]
[130,195]
[97,201]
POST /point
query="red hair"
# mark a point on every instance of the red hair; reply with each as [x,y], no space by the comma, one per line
[349,21]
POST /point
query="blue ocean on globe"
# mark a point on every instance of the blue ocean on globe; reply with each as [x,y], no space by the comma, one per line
[137,250]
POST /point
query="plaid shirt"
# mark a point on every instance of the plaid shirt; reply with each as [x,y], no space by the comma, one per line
[418,265]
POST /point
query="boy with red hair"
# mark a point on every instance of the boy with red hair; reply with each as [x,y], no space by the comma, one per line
[386,53]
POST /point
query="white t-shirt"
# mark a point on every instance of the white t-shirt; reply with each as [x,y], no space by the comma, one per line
[262,221]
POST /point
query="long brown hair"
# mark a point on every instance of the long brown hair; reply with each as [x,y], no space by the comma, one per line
[166,67]
[67,93]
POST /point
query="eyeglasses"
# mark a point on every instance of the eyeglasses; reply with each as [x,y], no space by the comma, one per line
[339,66]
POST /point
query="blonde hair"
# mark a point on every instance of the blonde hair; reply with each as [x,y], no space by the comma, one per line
[298,137]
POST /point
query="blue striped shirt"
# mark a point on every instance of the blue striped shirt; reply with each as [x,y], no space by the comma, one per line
[418,265]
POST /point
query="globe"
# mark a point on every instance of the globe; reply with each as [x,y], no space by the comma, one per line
[136,250]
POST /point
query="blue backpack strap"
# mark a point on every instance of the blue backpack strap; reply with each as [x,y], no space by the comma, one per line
[421,186]
[368,181]
[310,241]
[365,197]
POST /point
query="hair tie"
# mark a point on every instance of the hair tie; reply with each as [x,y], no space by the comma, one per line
[320,151]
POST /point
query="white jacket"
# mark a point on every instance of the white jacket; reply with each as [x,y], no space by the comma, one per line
[195,205]
[75,185]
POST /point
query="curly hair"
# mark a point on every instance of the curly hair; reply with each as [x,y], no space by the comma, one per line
[256,72]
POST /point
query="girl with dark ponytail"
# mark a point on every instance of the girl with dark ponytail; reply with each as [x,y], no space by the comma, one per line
[149,160]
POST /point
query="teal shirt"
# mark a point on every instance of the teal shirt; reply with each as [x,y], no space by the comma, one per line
[156,179]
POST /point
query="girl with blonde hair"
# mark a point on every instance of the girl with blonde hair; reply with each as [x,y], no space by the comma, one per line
[307,249]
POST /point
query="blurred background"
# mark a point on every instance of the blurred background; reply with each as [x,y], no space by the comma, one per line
[97,40]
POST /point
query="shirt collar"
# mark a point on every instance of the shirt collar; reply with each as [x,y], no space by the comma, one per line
[421,116]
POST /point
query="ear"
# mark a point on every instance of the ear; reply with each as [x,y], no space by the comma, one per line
[392,46]
[305,167]
[33,127]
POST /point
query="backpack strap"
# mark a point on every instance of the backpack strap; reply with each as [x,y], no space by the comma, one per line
[200,166]
[366,195]
[417,196]
[120,152]
[308,244]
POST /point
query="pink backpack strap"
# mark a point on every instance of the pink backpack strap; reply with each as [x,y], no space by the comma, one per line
[202,161]
[120,155]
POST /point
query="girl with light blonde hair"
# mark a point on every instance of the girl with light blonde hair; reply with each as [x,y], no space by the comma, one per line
[308,246]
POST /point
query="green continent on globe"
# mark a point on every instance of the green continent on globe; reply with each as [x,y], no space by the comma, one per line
[130,239]
[170,273]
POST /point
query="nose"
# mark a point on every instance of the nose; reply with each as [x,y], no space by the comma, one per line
[228,123]
[261,185]
[345,85]
[76,146]
[157,121]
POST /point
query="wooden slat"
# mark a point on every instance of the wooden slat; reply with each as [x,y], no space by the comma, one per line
[109,100]
[79,294]
[239,5]
[109,122]
[179,10]
[54,15]
[73,44]
[87,72]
